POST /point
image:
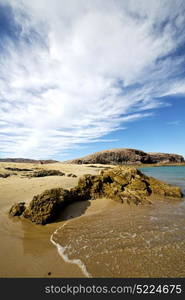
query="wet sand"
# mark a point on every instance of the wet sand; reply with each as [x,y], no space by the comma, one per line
[106,238]
[124,241]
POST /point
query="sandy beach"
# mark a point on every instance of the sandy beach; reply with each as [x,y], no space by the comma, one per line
[97,238]
[26,250]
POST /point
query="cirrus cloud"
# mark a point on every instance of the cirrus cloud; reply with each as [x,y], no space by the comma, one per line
[75,71]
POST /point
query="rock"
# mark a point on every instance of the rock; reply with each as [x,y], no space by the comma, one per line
[114,156]
[4,175]
[83,190]
[18,169]
[161,188]
[71,175]
[17,209]
[165,158]
[44,173]
[127,185]
[122,184]
[45,207]
[127,156]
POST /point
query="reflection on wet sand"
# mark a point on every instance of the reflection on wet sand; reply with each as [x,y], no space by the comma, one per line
[26,251]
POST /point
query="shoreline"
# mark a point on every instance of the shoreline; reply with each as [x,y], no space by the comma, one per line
[61,251]
[96,207]
[137,235]
[33,253]
[28,248]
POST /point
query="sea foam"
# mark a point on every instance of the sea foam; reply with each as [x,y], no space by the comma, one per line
[61,251]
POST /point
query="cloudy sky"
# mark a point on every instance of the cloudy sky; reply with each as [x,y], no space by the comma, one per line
[80,76]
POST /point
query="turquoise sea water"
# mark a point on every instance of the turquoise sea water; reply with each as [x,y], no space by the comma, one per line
[170,174]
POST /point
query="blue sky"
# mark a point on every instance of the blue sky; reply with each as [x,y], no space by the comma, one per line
[82,76]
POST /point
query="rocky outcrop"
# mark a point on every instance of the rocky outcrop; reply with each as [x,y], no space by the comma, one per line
[165,158]
[31,173]
[44,173]
[127,156]
[114,156]
[161,188]
[71,175]
[122,184]
[127,185]
[4,175]
[18,169]
[45,207]
[17,209]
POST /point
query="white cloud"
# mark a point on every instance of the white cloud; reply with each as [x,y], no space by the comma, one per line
[93,66]
[177,88]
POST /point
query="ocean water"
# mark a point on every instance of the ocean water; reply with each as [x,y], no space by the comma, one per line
[140,242]
[171,174]
[122,241]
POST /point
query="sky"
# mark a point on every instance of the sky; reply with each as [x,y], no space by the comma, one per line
[82,76]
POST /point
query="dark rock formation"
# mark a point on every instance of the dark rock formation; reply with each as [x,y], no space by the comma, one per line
[161,188]
[44,173]
[127,156]
[122,184]
[18,169]
[4,175]
[45,207]
[114,156]
[17,209]
[71,175]
[165,158]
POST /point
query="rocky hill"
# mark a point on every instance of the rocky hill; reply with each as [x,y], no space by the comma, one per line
[127,156]
[165,157]
[27,160]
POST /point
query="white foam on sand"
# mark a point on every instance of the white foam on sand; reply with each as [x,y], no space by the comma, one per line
[61,251]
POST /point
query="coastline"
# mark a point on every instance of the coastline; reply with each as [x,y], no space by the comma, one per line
[114,242]
[95,207]
[26,246]
[32,250]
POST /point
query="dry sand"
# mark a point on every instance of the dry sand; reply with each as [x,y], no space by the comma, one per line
[26,250]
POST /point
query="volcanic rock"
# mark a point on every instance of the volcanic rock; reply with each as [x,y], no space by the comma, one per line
[71,175]
[165,158]
[18,169]
[17,209]
[45,207]
[124,156]
[4,175]
[161,188]
[44,173]
[122,184]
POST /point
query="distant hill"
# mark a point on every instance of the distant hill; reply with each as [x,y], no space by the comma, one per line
[27,160]
[127,156]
